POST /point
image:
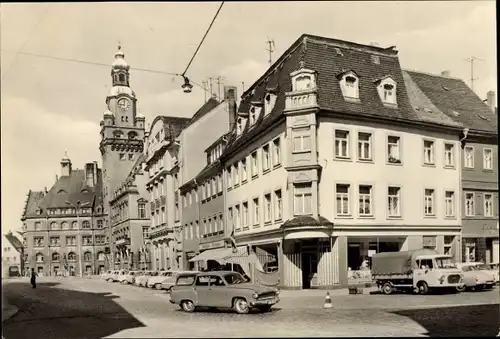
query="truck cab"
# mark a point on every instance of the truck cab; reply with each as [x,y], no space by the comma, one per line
[436,272]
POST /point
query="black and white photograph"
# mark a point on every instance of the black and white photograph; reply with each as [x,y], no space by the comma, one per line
[258,169]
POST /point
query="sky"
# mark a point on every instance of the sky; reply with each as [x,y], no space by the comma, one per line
[51,106]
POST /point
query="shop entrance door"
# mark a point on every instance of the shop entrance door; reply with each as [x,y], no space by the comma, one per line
[309,268]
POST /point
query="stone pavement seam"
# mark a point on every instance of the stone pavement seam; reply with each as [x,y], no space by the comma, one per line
[8,311]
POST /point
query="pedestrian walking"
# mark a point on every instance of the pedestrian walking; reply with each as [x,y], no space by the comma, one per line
[33,278]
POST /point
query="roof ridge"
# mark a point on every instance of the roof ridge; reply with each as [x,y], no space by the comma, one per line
[388,52]
[431,74]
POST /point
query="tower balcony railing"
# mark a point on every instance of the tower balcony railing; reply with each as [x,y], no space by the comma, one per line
[301,100]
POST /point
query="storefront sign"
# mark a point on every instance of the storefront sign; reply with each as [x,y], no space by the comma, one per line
[479,228]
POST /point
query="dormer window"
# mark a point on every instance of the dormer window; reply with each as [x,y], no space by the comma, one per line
[122,77]
[269,102]
[38,211]
[386,88]
[303,80]
[253,115]
[303,83]
[239,126]
[349,84]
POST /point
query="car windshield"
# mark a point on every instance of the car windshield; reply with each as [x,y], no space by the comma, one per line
[482,267]
[445,262]
[468,268]
[234,278]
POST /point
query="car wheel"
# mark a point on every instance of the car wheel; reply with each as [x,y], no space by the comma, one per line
[187,306]
[423,288]
[158,286]
[387,288]
[461,288]
[241,306]
[264,309]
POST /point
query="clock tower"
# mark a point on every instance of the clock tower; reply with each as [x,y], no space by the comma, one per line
[122,130]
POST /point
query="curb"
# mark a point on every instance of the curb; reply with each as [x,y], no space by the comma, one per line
[8,311]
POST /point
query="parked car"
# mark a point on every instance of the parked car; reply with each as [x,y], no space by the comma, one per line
[112,274]
[169,282]
[496,272]
[117,274]
[142,280]
[157,280]
[106,275]
[224,289]
[128,278]
[475,278]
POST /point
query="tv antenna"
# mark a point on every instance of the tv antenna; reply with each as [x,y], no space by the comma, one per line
[471,61]
[271,49]
[204,83]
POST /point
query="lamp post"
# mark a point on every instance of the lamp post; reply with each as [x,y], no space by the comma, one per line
[80,254]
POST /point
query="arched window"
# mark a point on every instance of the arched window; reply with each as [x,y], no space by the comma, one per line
[118,134]
[55,256]
[71,256]
[54,226]
[132,135]
[86,224]
[87,256]
[122,77]
[64,225]
[388,92]
[100,256]
[74,225]
[303,83]
[239,126]
[39,257]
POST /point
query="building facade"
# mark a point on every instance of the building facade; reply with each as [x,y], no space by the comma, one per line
[64,228]
[121,145]
[12,255]
[329,162]
[162,166]
[479,161]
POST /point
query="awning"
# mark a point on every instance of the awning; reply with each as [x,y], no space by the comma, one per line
[218,254]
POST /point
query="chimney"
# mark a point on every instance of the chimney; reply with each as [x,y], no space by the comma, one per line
[89,174]
[230,98]
[65,167]
[445,73]
[490,100]
[95,173]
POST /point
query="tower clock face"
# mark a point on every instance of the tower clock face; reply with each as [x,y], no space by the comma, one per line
[123,104]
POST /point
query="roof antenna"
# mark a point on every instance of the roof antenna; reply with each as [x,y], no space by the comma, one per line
[271,49]
[471,61]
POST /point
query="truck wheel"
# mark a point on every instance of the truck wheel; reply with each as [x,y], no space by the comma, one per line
[387,288]
[423,288]
[461,288]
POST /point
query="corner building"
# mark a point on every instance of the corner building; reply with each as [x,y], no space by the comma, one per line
[329,163]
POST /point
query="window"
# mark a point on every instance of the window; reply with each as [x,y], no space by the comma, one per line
[38,226]
[39,258]
[393,150]
[303,82]
[350,87]
[388,93]
[71,256]
[276,152]
[54,225]
[244,216]
[145,232]
[55,241]
[219,186]
[177,214]
[469,157]
[141,207]
[64,225]
[278,205]
[488,205]
[394,201]
[71,240]
[302,142]
[470,209]
[429,242]
[101,256]
[365,200]
[99,224]
[342,199]
[448,242]
[74,225]
[256,215]
[342,144]
[449,204]
[255,167]
[253,115]
[229,179]
[230,218]
[122,156]
[100,239]
[243,170]
[87,240]
[237,216]
[267,207]
[86,224]
[429,202]
[364,146]
[487,159]
[38,241]
[266,163]
[470,250]
[239,126]
[131,156]
[302,199]
[428,152]
[87,256]
[55,256]
[202,280]
[236,175]
[449,155]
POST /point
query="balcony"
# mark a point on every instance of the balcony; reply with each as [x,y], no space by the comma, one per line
[157,202]
[122,242]
[153,206]
[301,100]
[163,200]
[161,231]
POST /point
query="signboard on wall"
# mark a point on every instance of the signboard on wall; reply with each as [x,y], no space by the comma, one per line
[480,228]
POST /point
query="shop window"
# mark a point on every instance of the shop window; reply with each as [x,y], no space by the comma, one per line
[470,250]
[429,242]
[448,242]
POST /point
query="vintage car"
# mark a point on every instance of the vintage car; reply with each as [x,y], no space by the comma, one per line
[128,278]
[117,274]
[111,275]
[155,282]
[224,289]
[169,282]
[142,280]
[474,278]
[494,268]
[106,275]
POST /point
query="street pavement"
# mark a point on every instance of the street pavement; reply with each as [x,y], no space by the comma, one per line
[92,308]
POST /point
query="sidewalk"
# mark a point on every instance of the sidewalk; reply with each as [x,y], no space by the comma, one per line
[8,310]
[320,292]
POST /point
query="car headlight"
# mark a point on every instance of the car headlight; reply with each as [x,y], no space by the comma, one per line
[277,292]
[255,295]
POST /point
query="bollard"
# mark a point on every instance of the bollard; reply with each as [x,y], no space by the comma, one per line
[328,301]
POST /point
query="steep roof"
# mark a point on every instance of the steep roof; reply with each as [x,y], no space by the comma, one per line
[173,126]
[70,188]
[207,107]
[452,95]
[14,241]
[330,58]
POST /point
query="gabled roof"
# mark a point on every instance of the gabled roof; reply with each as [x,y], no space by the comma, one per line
[320,55]
[453,95]
[207,107]
[14,241]
[173,126]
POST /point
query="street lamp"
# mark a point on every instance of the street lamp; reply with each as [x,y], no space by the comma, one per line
[186,87]
[80,254]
